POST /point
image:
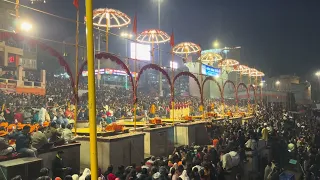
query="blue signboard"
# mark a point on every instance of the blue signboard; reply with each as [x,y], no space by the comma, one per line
[210,71]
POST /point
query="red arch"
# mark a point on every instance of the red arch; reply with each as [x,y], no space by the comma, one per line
[243,85]
[155,67]
[113,58]
[234,87]
[187,73]
[214,80]
[53,52]
[260,92]
[251,86]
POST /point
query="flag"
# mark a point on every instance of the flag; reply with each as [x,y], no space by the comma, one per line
[134,28]
[172,39]
[76,3]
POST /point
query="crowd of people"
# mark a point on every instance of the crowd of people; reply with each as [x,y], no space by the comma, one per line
[236,150]
[286,137]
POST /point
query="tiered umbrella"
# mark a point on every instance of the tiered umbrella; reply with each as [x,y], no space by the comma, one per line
[109,18]
[153,36]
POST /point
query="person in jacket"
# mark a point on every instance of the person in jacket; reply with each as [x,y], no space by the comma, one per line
[67,134]
[39,139]
[23,142]
[58,167]
[27,116]
[5,149]
[52,134]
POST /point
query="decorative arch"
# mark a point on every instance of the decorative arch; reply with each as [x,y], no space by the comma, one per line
[251,87]
[237,92]
[187,73]
[44,47]
[234,87]
[113,58]
[155,67]
[259,88]
[209,78]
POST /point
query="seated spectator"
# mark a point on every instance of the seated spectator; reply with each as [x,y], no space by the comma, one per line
[39,139]
[67,134]
[18,116]
[5,149]
[53,135]
[27,116]
[23,142]
[35,118]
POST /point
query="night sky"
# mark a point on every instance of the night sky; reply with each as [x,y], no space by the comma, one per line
[276,36]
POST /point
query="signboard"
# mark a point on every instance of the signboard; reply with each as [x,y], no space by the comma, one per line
[143,51]
[210,71]
[11,60]
[109,71]
[173,65]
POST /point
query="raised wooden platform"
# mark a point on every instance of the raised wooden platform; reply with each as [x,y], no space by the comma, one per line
[122,149]
[192,132]
[27,168]
[158,141]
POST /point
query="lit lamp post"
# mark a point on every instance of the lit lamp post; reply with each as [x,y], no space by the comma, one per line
[278,84]
[126,36]
[26,27]
[216,44]
[108,18]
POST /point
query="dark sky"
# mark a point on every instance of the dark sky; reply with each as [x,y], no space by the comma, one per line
[276,36]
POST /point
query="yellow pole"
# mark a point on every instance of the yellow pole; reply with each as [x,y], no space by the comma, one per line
[172,77]
[92,92]
[135,80]
[76,85]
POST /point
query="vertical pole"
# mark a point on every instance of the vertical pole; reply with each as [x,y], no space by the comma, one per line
[172,88]
[92,95]
[99,50]
[201,91]
[159,51]
[76,84]
[136,87]
[17,14]
[127,63]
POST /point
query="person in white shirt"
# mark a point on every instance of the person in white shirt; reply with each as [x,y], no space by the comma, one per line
[42,115]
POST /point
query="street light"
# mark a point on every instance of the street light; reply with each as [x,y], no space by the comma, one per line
[277,83]
[216,44]
[317,73]
[25,26]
